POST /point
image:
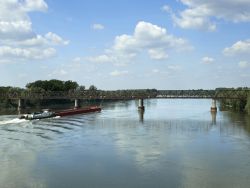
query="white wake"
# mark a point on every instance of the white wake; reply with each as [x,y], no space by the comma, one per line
[12,121]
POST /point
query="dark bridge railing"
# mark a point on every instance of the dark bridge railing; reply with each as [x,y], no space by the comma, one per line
[72,95]
[126,94]
[215,94]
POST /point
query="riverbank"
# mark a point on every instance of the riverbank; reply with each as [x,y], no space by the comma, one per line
[236,105]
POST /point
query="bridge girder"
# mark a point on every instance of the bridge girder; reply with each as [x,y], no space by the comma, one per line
[129,94]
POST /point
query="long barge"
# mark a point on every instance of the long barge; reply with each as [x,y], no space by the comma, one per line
[75,111]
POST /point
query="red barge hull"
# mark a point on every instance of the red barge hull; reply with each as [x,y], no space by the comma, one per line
[75,111]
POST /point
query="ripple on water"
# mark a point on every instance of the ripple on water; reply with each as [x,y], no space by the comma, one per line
[176,145]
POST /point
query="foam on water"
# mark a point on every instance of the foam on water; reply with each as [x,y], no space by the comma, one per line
[17,120]
[12,121]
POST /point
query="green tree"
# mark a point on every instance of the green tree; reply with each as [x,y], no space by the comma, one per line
[80,88]
[92,88]
[52,85]
[247,107]
[70,85]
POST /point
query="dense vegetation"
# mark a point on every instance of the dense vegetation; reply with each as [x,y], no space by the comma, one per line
[247,107]
[242,103]
[52,85]
[39,86]
[8,103]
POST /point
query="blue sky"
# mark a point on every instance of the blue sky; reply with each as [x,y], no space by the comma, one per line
[184,44]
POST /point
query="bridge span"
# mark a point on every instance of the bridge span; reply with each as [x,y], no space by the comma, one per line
[125,95]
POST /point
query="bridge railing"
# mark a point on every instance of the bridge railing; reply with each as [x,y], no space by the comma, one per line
[187,93]
[232,94]
[71,95]
[126,94]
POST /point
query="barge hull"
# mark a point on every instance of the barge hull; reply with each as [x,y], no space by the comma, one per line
[78,111]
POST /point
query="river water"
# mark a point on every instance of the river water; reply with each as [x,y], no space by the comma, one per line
[175,143]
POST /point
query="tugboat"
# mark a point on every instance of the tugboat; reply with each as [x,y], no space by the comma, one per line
[49,114]
[38,115]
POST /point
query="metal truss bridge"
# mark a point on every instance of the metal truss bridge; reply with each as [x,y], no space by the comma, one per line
[129,94]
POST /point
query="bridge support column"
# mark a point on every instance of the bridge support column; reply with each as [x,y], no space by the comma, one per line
[77,103]
[141,105]
[20,104]
[213,107]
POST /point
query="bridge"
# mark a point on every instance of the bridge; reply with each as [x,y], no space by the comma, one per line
[126,95]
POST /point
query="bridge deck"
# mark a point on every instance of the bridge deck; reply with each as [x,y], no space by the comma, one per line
[127,95]
[118,98]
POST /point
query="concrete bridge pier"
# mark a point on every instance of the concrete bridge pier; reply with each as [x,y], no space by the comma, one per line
[141,105]
[77,105]
[20,104]
[213,107]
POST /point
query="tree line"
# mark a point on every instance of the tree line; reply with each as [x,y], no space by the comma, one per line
[241,104]
[40,87]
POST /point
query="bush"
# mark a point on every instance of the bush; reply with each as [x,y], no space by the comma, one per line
[247,107]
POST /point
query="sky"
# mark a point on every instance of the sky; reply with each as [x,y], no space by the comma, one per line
[126,44]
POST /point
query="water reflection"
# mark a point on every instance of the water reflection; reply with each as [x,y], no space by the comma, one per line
[213,116]
[170,146]
[141,115]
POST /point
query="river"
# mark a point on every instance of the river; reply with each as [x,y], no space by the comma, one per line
[175,143]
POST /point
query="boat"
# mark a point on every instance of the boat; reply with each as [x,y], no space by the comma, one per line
[75,111]
[49,114]
[38,115]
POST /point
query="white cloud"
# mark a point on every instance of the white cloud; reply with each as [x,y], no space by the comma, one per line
[157,54]
[35,5]
[148,38]
[200,14]
[119,73]
[97,26]
[17,38]
[152,36]
[243,64]
[166,8]
[55,39]
[101,59]
[188,20]
[14,20]
[47,53]
[26,53]
[38,40]
[207,60]
[240,47]
[11,28]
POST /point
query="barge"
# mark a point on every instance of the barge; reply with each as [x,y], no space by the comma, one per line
[75,111]
[68,112]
